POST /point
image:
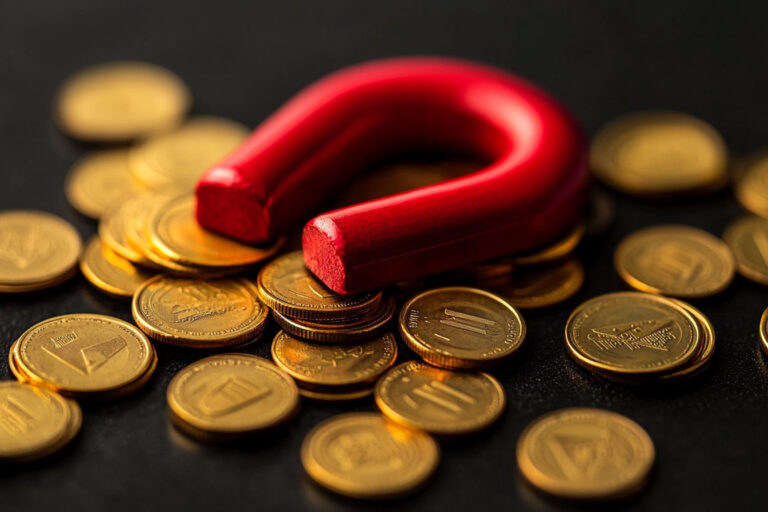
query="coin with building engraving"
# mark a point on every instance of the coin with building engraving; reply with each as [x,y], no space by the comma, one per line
[417,395]
[231,395]
[583,453]
[680,261]
[83,354]
[110,272]
[199,313]
[459,327]
[748,239]
[363,455]
[286,286]
[632,333]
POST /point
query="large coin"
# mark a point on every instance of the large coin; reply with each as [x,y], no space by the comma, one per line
[110,272]
[362,455]
[748,239]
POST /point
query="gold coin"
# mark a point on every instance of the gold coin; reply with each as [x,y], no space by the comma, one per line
[538,287]
[335,396]
[748,240]
[752,187]
[83,354]
[286,286]
[632,333]
[362,455]
[174,230]
[199,313]
[555,251]
[764,331]
[36,248]
[173,162]
[110,272]
[100,181]
[113,229]
[442,402]
[136,227]
[675,260]
[583,453]
[334,365]
[40,285]
[707,350]
[232,395]
[121,101]
[659,153]
[458,327]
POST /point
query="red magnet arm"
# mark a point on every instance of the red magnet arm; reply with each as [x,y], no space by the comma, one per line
[308,150]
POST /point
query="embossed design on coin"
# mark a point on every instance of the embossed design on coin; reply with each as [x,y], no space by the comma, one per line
[748,239]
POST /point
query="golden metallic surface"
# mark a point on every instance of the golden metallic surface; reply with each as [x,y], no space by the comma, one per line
[37,249]
[83,354]
[632,333]
[199,313]
[555,251]
[286,286]
[442,402]
[752,187]
[340,332]
[680,261]
[658,154]
[583,453]
[110,272]
[764,331]
[537,287]
[707,350]
[100,181]
[40,285]
[120,101]
[174,231]
[136,227]
[362,455]
[747,238]
[335,396]
[334,365]
[113,228]
[173,162]
[232,395]
[459,327]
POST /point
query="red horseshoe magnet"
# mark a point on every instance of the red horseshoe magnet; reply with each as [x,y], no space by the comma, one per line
[308,150]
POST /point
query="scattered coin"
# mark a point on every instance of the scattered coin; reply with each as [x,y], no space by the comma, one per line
[110,272]
[121,101]
[420,396]
[537,287]
[680,261]
[555,251]
[113,229]
[747,238]
[658,154]
[582,453]
[458,327]
[752,187]
[362,455]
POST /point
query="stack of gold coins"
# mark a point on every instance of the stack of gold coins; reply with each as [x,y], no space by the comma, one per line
[111,273]
[639,338]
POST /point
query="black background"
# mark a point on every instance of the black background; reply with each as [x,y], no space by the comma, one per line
[242,60]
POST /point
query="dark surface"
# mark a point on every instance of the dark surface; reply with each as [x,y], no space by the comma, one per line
[244,59]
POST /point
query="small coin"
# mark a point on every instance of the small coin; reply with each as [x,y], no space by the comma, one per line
[173,162]
[232,395]
[362,455]
[458,327]
[174,231]
[659,153]
[583,453]
[121,101]
[747,238]
[334,365]
[100,181]
[110,272]
[555,251]
[335,396]
[752,187]
[286,286]
[680,261]
[537,287]
[83,354]
[199,313]
[632,333]
[442,402]
[113,229]
[36,249]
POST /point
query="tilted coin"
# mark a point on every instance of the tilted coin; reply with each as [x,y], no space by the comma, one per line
[362,455]
[632,333]
[752,188]
[136,227]
[764,331]
[174,230]
[583,453]
[100,181]
[747,238]
[458,327]
[230,395]
[680,261]
[286,286]
[173,162]
[558,249]
[334,365]
[659,153]
[37,249]
[113,229]
[120,101]
[537,287]
[110,272]
[335,396]
[83,354]
[199,313]
[420,396]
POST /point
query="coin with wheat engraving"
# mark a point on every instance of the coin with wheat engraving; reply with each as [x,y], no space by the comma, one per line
[748,239]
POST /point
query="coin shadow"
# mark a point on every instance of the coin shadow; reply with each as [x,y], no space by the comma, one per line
[276,438]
